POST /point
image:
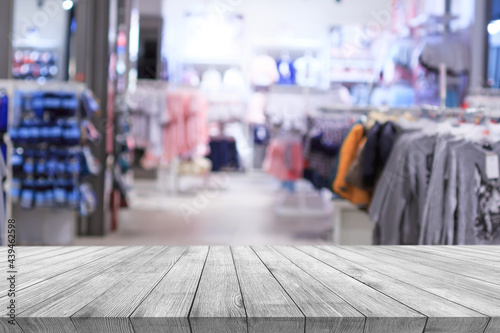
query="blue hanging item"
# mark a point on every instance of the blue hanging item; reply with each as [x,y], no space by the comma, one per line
[15,190]
[286,71]
[51,167]
[17,161]
[27,194]
[4,112]
[49,193]
[69,104]
[14,135]
[29,166]
[24,134]
[35,104]
[71,133]
[59,192]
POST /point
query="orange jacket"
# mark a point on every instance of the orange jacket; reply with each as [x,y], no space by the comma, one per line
[348,154]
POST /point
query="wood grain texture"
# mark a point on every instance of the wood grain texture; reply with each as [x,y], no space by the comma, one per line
[115,305]
[472,269]
[488,306]
[256,289]
[383,313]
[67,303]
[170,301]
[407,261]
[325,311]
[444,315]
[218,305]
[269,308]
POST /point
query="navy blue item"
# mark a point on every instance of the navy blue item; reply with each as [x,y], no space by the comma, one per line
[17,161]
[71,134]
[4,112]
[223,154]
[36,104]
[41,168]
[51,167]
[379,143]
[55,134]
[261,135]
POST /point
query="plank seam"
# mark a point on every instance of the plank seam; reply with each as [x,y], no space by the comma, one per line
[338,270]
[426,291]
[239,286]
[263,263]
[196,291]
[147,295]
[333,291]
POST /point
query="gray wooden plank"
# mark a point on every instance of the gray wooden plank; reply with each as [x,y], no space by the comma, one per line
[44,257]
[407,261]
[444,315]
[111,310]
[440,251]
[269,308]
[466,268]
[42,273]
[325,311]
[26,251]
[37,293]
[218,304]
[435,285]
[383,314]
[489,253]
[166,308]
[63,305]
[43,269]
[20,301]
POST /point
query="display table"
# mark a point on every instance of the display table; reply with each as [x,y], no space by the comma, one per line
[255,289]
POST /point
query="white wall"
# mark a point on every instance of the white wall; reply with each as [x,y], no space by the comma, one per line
[273,19]
[271,22]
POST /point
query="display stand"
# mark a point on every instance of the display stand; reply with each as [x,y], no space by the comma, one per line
[40,226]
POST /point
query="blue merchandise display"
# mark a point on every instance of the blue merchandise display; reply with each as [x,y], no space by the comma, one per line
[49,159]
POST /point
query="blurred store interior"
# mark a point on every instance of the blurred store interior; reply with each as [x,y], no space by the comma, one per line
[249,122]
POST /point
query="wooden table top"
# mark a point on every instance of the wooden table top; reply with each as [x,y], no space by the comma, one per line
[255,289]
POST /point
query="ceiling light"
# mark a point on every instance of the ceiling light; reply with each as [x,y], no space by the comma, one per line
[67,4]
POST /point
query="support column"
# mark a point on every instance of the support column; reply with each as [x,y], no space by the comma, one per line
[6,16]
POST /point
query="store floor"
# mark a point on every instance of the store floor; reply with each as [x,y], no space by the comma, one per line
[240,214]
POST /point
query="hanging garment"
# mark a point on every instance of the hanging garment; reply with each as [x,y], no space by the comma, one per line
[284,159]
[286,71]
[308,71]
[347,156]
[264,71]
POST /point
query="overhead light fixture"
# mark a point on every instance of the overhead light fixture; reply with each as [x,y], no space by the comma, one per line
[67,4]
[494,27]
